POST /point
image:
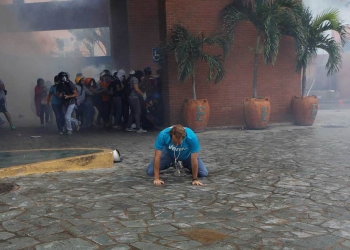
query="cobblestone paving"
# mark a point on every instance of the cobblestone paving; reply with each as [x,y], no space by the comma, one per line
[286,187]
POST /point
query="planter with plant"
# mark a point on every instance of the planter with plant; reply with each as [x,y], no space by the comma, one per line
[272,19]
[188,49]
[315,37]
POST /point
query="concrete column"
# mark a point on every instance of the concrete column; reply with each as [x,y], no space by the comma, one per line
[119,30]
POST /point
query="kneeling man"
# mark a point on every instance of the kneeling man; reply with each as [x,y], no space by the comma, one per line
[173,144]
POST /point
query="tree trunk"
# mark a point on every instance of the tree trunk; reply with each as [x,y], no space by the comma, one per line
[303,82]
[255,74]
[194,87]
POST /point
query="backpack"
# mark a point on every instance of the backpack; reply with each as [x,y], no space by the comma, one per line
[127,88]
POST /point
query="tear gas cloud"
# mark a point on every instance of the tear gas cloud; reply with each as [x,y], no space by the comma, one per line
[27,56]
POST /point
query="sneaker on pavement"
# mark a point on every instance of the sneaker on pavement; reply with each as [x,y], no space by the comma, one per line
[130,130]
[78,126]
[61,132]
[141,131]
[69,132]
[13,127]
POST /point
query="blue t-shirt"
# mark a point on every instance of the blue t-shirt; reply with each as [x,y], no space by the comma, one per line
[183,151]
[54,98]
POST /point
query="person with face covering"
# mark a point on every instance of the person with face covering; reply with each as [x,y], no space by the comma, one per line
[173,144]
[68,92]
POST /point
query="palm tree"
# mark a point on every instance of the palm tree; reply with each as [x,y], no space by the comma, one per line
[271,18]
[189,49]
[315,37]
[90,37]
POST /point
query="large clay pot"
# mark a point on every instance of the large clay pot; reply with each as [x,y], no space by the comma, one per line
[196,114]
[257,112]
[304,110]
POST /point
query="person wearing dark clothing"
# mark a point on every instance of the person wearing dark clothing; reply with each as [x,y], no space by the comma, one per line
[57,107]
[3,105]
[117,90]
[68,92]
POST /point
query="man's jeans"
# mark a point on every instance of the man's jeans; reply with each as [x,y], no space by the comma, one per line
[118,110]
[166,159]
[135,113]
[58,110]
[69,118]
[44,114]
[89,113]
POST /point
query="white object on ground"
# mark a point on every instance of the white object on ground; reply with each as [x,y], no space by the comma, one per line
[116,156]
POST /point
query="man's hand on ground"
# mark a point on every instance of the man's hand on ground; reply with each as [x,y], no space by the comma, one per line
[158,182]
[198,183]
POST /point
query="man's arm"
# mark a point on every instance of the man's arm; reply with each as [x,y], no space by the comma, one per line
[75,94]
[49,98]
[156,167]
[194,163]
[137,89]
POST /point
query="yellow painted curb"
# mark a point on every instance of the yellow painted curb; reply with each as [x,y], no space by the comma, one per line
[102,159]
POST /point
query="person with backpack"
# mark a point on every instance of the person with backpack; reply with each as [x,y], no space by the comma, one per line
[68,92]
[134,102]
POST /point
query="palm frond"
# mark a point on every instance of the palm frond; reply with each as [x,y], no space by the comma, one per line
[230,16]
[333,49]
[216,68]
[188,48]
[316,38]
[271,40]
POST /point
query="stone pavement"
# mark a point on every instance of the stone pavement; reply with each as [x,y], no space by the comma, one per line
[285,187]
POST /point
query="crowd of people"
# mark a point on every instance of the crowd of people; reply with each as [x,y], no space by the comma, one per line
[130,102]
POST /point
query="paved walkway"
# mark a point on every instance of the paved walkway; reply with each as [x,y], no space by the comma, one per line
[286,187]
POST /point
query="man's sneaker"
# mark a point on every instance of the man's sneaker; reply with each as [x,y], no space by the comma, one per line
[78,126]
[141,131]
[61,133]
[2,122]
[130,130]
[13,127]
[69,132]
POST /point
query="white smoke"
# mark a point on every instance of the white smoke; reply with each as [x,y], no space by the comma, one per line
[27,56]
[94,72]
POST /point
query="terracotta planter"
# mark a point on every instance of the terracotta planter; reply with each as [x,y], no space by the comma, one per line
[257,112]
[304,110]
[196,114]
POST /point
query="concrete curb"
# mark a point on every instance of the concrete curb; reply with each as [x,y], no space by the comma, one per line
[102,159]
